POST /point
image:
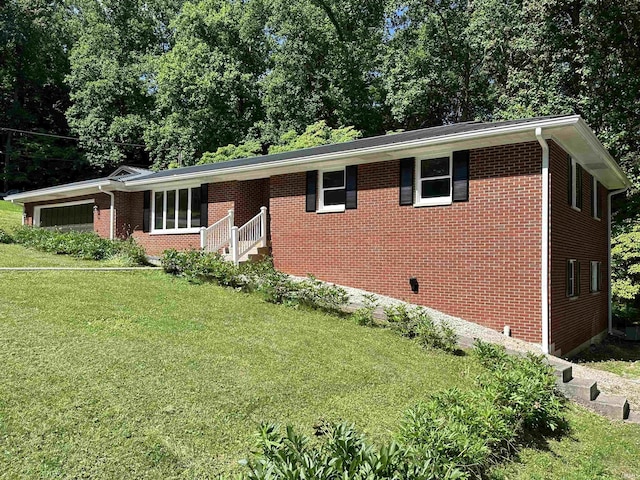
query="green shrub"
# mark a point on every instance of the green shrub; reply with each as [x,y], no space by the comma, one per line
[524,387]
[416,323]
[85,245]
[453,435]
[364,315]
[5,237]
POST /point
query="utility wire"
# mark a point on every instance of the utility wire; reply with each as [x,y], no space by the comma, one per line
[123,144]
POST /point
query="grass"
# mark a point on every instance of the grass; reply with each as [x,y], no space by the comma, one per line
[615,356]
[20,256]
[10,215]
[142,375]
[145,375]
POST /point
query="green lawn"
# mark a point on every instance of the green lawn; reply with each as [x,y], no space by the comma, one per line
[615,356]
[142,375]
[10,215]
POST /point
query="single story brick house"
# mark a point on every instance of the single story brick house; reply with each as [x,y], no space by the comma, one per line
[505,224]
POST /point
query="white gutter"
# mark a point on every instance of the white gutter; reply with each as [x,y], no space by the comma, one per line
[610,296]
[111,211]
[544,297]
[483,133]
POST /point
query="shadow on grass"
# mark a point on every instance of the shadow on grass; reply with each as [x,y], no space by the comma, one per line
[612,348]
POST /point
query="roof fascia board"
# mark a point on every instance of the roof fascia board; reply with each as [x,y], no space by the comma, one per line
[51,192]
[445,139]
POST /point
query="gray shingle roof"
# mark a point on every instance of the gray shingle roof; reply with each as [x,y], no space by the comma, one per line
[354,145]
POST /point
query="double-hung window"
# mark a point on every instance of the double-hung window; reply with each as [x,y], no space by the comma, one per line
[433,186]
[176,210]
[575,184]
[332,191]
[573,278]
[596,205]
[596,276]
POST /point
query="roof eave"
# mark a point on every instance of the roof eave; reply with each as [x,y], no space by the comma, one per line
[528,127]
[62,191]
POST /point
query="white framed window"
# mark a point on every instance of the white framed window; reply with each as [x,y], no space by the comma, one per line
[176,210]
[596,206]
[332,188]
[576,185]
[596,276]
[433,181]
[65,216]
[573,278]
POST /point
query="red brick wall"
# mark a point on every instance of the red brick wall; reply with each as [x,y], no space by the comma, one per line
[245,198]
[575,235]
[479,260]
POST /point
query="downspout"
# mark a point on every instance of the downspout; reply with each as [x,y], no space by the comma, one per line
[610,296]
[111,211]
[544,297]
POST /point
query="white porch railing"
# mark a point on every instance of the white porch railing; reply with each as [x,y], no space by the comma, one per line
[218,235]
[251,234]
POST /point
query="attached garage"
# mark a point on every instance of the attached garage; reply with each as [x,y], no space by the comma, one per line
[77,216]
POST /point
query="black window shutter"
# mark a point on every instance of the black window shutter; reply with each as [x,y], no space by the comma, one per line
[570,181]
[351,184]
[568,279]
[146,206]
[204,205]
[312,190]
[461,176]
[406,181]
[577,278]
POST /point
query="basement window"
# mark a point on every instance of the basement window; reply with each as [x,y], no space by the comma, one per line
[596,276]
[176,211]
[433,186]
[573,278]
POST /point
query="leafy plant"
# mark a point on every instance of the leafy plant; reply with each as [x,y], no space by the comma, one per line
[364,315]
[416,323]
[85,245]
[5,237]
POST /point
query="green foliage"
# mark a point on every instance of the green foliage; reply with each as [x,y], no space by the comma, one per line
[416,323]
[314,135]
[84,245]
[276,287]
[5,237]
[364,315]
[625,258]
[247,149]
[455,434]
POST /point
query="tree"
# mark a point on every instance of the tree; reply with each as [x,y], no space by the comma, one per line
[314,135]
[208,91]
[112,77]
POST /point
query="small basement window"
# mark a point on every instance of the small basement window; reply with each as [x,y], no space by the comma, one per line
[332,191]
[573,278]
[176,211]
[434,181]
[596,276]
[77,216]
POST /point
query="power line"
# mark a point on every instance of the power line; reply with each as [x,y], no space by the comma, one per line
[52,135]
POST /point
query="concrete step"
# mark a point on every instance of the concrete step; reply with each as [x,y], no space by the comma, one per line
[579,388]
[611,406]
[633,417]
[563,373]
